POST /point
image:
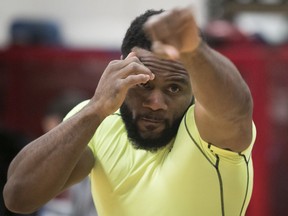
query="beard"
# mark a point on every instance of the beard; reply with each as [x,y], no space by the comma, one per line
[150,144]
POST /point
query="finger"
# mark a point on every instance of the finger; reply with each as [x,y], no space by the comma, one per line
[131,54]
[120,69]
[131,61]
[133,80]
[133,65]
[134,68]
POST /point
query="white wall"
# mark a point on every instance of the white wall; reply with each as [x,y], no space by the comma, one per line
[88,23]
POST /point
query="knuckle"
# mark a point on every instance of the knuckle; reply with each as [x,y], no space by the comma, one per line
[134,59]
[117,87]
[113,62]
[113,65]
[133,66]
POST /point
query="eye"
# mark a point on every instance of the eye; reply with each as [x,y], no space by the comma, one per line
[174,89]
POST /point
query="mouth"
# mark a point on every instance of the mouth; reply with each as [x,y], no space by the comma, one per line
[151,126]
[153,119]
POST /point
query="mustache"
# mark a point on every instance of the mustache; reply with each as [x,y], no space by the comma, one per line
[155,116]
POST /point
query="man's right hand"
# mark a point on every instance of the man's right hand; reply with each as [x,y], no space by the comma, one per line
[118,77]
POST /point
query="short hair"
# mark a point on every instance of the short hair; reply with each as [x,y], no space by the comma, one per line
[135,35]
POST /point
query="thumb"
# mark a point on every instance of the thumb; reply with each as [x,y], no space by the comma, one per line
[165,50]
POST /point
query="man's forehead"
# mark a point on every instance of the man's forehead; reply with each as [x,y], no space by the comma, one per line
[151,60]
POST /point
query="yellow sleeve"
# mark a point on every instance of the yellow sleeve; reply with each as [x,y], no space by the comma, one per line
[76,109]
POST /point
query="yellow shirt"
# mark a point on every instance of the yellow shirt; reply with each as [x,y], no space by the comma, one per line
[187,177]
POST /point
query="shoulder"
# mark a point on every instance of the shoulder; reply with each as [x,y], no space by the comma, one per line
[109,132]
[189,134]
[76,109]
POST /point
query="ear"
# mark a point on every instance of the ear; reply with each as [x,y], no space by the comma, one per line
[121,57]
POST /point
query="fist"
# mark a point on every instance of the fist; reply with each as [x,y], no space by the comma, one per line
[173,32]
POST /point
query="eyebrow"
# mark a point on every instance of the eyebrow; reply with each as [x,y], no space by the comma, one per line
[178,79]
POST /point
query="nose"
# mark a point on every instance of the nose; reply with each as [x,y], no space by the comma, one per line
[155,100]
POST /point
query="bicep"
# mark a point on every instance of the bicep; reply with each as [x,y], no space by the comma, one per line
[82,169]
[235,135]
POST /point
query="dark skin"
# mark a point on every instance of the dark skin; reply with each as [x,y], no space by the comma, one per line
[164,98]
[152,111]
[223,100]
[223,103]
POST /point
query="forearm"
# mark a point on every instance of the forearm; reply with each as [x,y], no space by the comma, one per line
[216,83]
[42,168]
[55,160]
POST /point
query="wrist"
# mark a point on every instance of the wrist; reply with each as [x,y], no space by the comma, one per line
[95,110]
[198,48]
[193,53]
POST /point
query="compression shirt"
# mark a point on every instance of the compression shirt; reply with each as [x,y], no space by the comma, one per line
[186,177]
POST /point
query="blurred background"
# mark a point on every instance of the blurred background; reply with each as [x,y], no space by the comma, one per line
[60,47]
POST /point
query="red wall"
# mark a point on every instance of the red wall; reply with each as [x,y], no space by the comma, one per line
[252,62]
[30,77]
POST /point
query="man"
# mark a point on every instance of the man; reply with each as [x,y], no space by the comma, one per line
[162,153]
[77,200]
[11,142]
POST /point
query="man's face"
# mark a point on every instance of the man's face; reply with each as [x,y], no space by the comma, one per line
[152,111]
